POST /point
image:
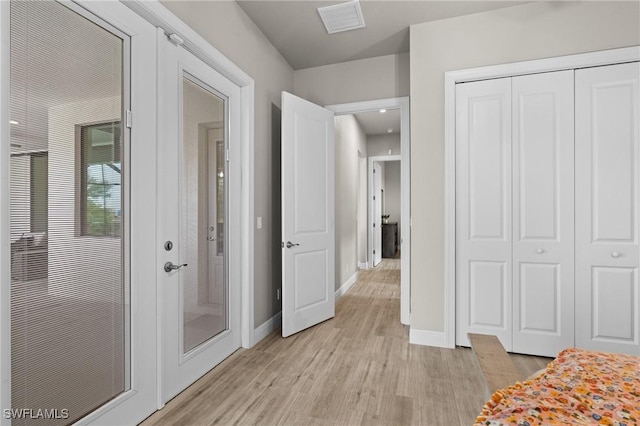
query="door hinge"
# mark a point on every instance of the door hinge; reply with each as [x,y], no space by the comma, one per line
[374,252]
[374,198]
[129,119]
[227,155]
[374,170]
[374,224]
[282,244]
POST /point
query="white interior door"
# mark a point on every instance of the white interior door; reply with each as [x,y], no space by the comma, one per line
[200,318]
[607,123]
[376,220]
[308,193]
[543,213]
[483,210]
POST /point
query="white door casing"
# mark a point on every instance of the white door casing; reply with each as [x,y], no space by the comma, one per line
[483,210]
[543,213]
[607,158]
[180,369]
[376,220]
[308,198]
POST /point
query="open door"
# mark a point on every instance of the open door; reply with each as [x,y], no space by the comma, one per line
[377,213]
[308,247]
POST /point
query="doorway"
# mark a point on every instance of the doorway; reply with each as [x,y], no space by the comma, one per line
[400,153]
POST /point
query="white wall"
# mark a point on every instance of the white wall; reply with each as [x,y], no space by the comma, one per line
[392,192]
[226,27]
[85,256]
[349,139]
[378,145]
[530,31]
[362,80]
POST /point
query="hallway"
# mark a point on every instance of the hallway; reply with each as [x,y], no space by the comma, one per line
[357,368]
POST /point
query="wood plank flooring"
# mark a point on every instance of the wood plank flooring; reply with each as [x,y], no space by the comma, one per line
[355,369]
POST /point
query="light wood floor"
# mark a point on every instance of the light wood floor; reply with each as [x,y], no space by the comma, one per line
[355,369]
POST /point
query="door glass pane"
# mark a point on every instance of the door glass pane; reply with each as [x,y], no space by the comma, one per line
[203,227]
[69,334]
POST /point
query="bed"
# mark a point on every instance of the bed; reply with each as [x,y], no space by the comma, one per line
[579,387]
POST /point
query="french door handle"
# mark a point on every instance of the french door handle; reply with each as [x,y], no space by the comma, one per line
[290,244]
[168,267]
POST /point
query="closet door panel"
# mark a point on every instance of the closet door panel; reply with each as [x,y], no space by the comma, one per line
[543,213]
[483,210]
[607,153]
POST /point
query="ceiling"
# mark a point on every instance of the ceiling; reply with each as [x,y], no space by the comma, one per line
[296,30]
[377,123]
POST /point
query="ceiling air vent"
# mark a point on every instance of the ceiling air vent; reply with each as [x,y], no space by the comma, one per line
[342,17]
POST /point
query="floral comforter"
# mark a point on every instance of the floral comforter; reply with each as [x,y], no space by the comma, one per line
[579,387]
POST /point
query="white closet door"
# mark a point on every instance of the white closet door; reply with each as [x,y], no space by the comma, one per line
[483,210]
[543,213]
[607,149]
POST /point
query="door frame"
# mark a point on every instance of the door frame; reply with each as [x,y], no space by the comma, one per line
[402,104]
[371,209]
[169,24]
[605,57]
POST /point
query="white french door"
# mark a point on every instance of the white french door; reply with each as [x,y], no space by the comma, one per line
[78,345]
[308,241]
[198,182]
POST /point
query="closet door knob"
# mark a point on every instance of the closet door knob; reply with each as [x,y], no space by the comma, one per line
[540,251]
[615,255]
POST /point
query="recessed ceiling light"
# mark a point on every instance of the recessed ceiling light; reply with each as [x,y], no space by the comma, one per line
[389,130]
[14,122]
[382,111]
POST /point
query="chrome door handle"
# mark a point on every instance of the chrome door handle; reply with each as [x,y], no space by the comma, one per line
[168,267]
[290,244]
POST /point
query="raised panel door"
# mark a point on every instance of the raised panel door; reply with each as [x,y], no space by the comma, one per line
[543,213]
[483,210]
[607,128]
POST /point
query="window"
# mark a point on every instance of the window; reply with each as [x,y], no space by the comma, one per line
[101,168]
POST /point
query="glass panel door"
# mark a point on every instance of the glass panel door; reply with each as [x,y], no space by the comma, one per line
[204,284]
[69,286]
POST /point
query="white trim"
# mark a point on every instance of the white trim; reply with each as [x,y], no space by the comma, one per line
[428,338]
[363,265]
[161,17]
[154,12]
[5,213]
[346,285]
[583,60]
[405,184]
[267,327]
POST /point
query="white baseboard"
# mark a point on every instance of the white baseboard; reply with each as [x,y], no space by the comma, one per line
[363,265]
[273,323]
[346,285]
[428,338]
[267,327]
